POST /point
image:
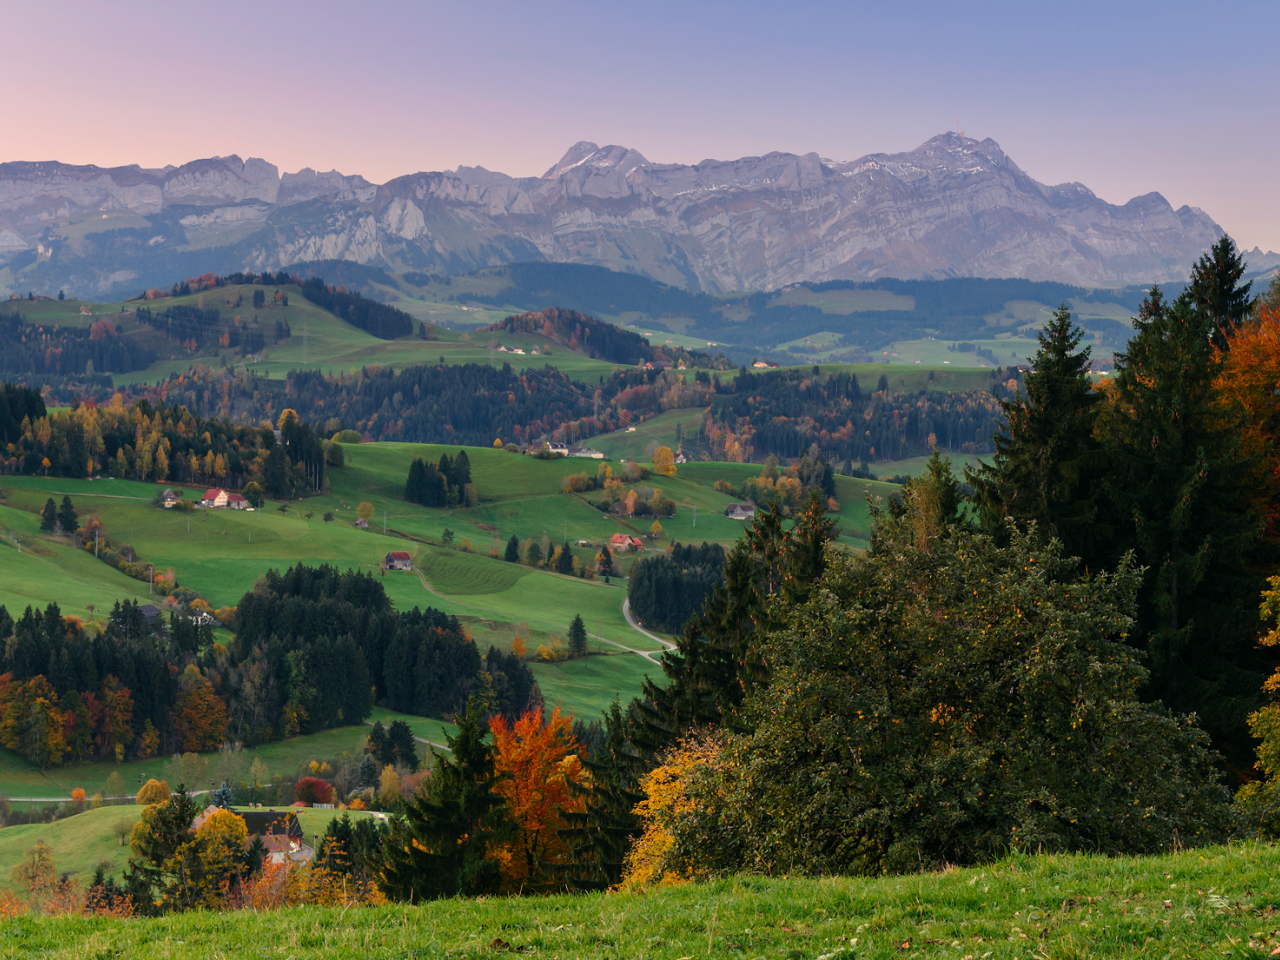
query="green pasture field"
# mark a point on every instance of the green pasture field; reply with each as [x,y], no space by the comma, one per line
[83,841]
[428,729]
[1009,351]
[913,466]
[659,431]
[1211,902]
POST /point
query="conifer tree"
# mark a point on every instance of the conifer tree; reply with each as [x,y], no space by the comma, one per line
[600,836]
[67,517]
[1047,467]
[1182,489]
[401,744]
[564,560]
[715,662]
[377,744]
[1216,292]
[512,554]
[440,847]
[578,636]
[49,516]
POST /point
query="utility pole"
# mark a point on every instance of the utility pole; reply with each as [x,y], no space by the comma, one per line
[95,540]
[152,583]
[695,515]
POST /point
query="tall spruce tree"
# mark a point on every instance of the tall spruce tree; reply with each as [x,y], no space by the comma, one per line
[68,520]
[715,662]
[1216,291]
[601,834]
[49,516]
[440,847]
[1048,464]
[578,636]
[1181,491]
[512,554]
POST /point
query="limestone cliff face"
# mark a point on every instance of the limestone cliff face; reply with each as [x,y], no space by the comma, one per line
[954,206]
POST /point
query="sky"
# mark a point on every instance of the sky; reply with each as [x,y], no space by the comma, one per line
[1126,98]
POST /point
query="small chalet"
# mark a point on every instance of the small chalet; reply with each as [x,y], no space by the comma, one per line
[398,560]
[586,452]
[622,543]
[151,612]
[169,499]
[218,499]
[362,523]
[740,511]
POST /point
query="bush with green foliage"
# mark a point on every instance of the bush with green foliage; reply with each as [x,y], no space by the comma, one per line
[945,700]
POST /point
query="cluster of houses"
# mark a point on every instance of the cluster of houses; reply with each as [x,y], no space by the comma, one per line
[501,349]
[213,499]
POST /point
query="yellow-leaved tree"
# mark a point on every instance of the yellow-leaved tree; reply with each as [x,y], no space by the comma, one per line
[1259,802]
[668,798]
[664,462]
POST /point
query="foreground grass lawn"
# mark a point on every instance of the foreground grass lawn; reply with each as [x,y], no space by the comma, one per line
[1215,902]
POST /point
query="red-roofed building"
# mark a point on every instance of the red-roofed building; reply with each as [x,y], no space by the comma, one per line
[398,560]
[621,543]
[218,499]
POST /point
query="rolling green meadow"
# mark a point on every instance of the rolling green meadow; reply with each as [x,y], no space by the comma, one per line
[1211,902]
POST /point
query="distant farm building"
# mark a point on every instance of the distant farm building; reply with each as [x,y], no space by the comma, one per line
[398,560]
[223,500]
[621,543]
[169,499]
[362,523]
[740,511]
[586,452]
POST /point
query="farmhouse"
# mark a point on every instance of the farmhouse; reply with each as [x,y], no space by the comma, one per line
[218,499]
[740,511]
[621,543]
[281,833]
[169,499]
[362,523]
[586,452]
[398,560]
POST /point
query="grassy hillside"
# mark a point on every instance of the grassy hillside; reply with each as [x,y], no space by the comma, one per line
[1213,902]
[221,553]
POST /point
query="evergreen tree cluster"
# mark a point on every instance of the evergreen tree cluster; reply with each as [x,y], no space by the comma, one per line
[27,348]
[443,484]
[419,661]
[601,341]
[183,322]
[16,405]
[380,319]
[785,412]
[666,590]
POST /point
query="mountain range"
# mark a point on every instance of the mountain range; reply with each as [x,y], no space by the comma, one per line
[953,207]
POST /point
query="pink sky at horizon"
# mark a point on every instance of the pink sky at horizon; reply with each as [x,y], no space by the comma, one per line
[1126,99]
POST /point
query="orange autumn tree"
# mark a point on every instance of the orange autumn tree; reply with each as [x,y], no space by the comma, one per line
[1246,389]
[199,716]
[536,763]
